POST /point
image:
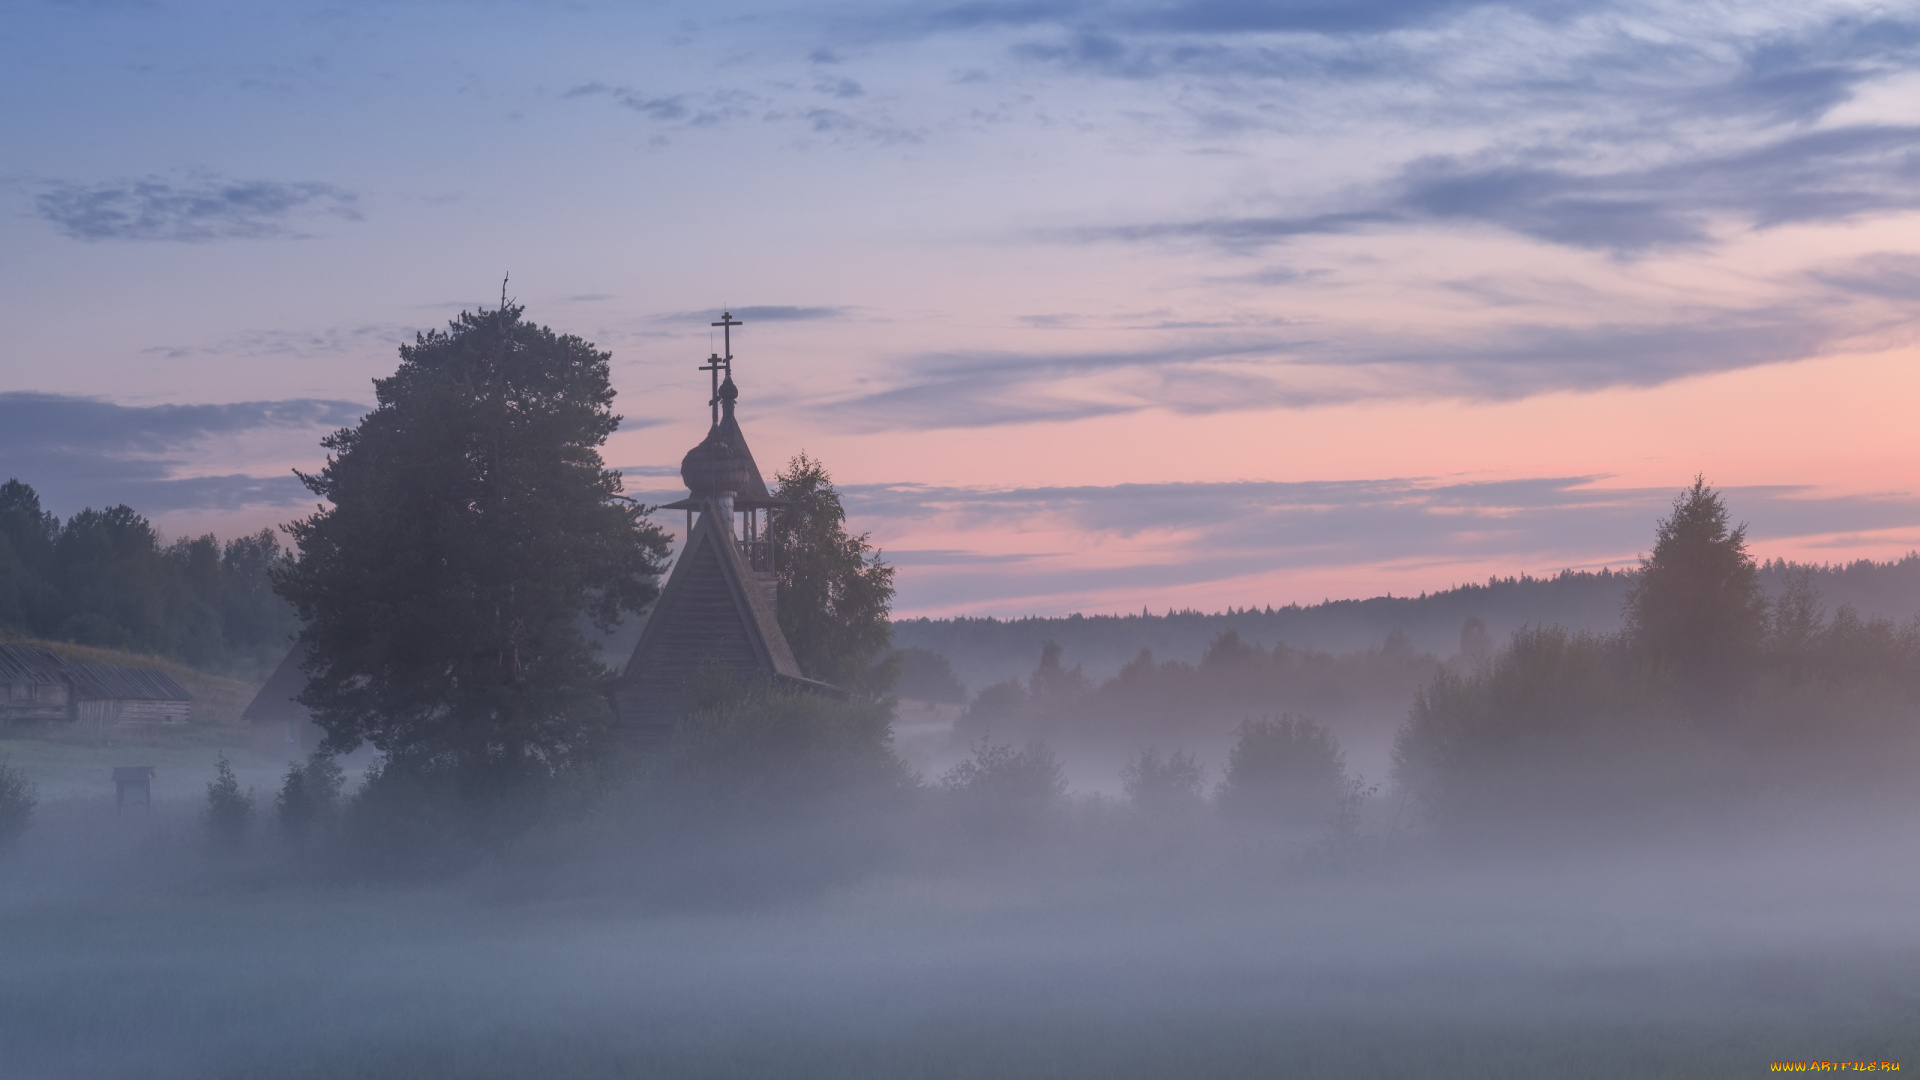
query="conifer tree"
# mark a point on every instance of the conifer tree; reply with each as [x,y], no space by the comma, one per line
[1698,608]
[470,526]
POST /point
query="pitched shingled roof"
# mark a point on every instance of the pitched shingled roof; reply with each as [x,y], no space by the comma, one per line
[275,701]
[108,682]
[31,664]
[90,682]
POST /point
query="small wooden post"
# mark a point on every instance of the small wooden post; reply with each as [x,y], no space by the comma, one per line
[132,786]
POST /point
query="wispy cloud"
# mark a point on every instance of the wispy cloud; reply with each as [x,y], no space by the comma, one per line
[753,313]
[1828,175]
[90,451]
[1162,535]
[1208,372]
[193,211]
[689,108]
[1821,176]
[302,344]
[858,120]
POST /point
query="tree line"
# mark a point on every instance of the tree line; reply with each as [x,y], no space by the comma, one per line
[105,578]
[1716,701]
[1713,702]
[985,650]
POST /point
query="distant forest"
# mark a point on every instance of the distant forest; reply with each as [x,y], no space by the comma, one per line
[985,651]
[102,577]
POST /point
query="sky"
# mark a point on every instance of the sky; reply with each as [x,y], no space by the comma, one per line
[1086,306]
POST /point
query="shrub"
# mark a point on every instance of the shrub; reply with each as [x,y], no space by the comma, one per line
[410,818]
[751,743]
[1004,786]
[1284,771]
[1351,807]
[1162,787]
[18,797]
[998,703]
[926,675]
[229,810]
[309,796]
[763,792]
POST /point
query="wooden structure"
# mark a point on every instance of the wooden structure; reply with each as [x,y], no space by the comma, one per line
[132,786]
[34,685]
[277,724]
[717,610]
[37,684]
[105,695]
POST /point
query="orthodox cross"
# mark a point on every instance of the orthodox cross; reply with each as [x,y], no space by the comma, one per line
[727,320]
[715,365]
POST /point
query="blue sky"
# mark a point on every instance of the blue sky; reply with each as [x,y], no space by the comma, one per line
[1088,305]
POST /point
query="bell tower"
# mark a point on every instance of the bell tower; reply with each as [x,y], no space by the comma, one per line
[718,604]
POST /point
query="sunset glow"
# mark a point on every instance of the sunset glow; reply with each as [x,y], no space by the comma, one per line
[1087,307]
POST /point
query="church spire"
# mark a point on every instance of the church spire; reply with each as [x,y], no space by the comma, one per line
[721,463]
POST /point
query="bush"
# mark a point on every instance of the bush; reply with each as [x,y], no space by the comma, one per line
[763,792]
[1162,787]
[750,744]
[413,817]
[1283,771]
[925,675]
[18,797]
[229,810]
[309,796]
[996,704]
[1004,786]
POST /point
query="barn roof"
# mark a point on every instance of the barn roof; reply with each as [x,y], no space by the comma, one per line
[32,664]
[108,682]
[275,701]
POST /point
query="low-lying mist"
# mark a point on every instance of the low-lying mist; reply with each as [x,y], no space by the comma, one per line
[770,898]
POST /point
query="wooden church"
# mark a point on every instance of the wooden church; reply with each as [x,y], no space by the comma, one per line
[718,606]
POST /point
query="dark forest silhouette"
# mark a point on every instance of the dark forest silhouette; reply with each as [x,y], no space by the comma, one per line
[986,650]
[103,577]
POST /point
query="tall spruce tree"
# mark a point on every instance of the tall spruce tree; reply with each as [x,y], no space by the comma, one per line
[472,524]
[1698,608]
[835,592]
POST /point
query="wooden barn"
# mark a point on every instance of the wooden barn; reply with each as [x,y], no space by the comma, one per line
[277,725]
[34,685]
[37,684]
[105,695]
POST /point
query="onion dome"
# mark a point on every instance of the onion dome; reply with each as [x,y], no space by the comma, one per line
[716,466]
[729,393]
